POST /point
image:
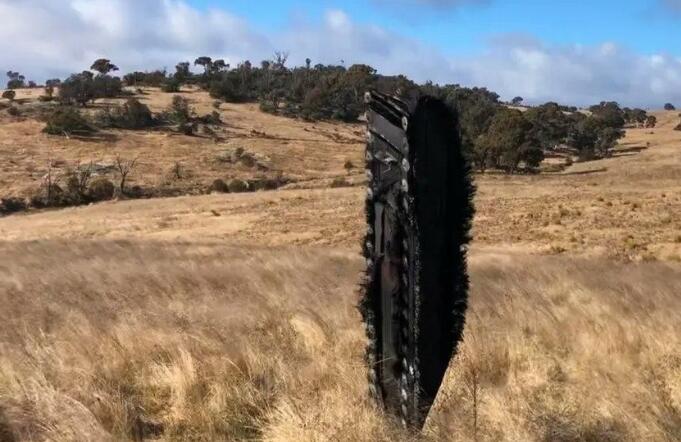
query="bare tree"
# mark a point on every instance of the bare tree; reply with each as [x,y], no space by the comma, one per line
[79,179]
[280,59]
[124,168]
[49,181]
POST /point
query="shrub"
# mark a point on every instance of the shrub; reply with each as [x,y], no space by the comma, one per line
[13,111]
[211,118]
[106,86]
[248,159]
[180,110]
[181,114]
[678,127]
[49,195]
[73,186]
[153,79]
[207,131]
[217,104]
[12,205]
[137,115]
[138,192]
[101,189]
[188,128]
[84,87]
[231,87]
[237,153]
[132,115]
[77,89]
[264,183]
[218,186]
[268,107]
[77,183]
[65,121]
[9,95]
[171,85]
[236,186]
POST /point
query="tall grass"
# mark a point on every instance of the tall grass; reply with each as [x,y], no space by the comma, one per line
[103,340]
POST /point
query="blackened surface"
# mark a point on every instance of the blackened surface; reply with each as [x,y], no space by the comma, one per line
[418,301]
[443,197]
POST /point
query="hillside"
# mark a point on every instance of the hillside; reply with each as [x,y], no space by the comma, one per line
[231,316]
[301,152]
[626,206]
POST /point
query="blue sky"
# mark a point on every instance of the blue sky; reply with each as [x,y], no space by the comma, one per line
[465,27]
[576,52]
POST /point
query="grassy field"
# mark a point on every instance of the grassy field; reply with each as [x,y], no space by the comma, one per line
[308,154]
[232,317]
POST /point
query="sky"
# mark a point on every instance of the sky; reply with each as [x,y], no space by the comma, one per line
[577,52]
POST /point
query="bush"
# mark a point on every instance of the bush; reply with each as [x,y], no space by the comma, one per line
[188,128]
[51,195]
[678,127]
[13,111]
[153,79]
[247,159]
[219,186]
[77,89]
[230,89]
[137,115]
[12,205]
[171,86]
[237,153]
[264,183]
[9,95]
[181,114]
[211,118]
[106,86]
[65,121]
[236,186]
[268,107]
[132,115]
[84,87]
[207,131]
[101,189]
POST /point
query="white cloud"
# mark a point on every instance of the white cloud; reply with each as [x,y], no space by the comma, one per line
[576,74]
[45,38]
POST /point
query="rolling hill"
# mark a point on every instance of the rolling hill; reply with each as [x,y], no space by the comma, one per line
[232,316]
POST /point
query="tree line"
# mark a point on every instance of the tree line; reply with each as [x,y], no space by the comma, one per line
[495,135]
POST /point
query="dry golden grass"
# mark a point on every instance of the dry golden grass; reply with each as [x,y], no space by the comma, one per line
[108,340]
[627,207]
[231,317]
[311,154]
